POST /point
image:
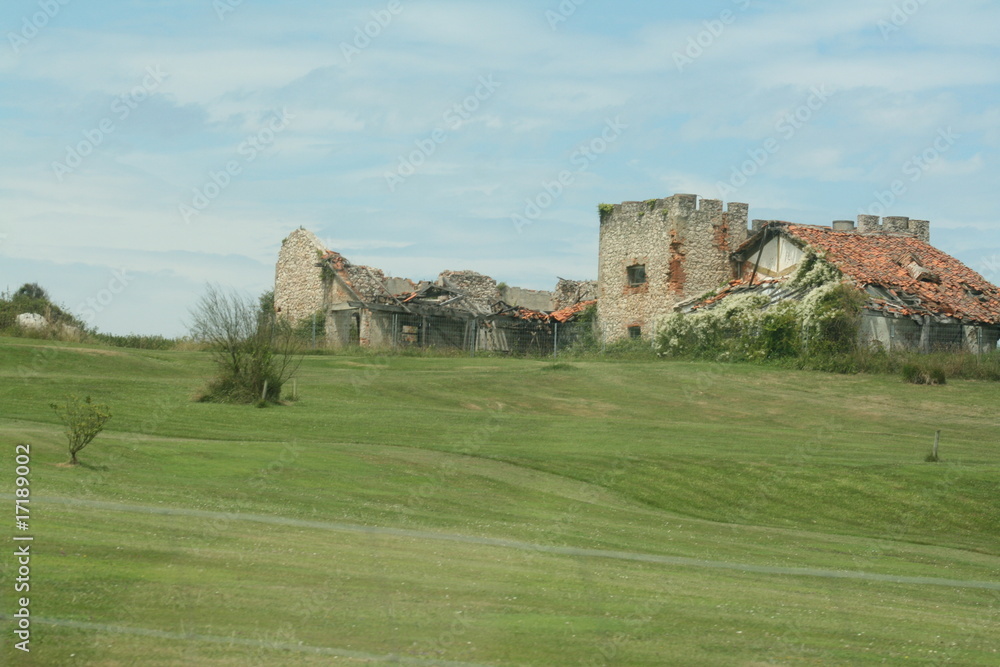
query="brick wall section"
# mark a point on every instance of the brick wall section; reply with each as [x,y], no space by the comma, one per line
[298,282]
[685,247]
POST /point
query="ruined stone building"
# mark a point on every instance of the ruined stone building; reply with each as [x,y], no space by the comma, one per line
[681,254]
[360,305]
[655,257]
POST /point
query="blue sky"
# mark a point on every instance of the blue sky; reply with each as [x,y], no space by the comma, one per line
[153,146]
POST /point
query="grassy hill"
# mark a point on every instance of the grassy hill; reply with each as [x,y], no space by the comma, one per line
[444,511]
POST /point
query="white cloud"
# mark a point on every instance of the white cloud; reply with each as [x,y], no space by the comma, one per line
[354,120]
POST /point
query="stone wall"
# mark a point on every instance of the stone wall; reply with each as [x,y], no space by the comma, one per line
[527,298]
[683,245]
[298,282]
[476,285]
[571,292]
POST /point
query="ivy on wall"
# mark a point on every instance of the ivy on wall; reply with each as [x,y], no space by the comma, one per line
[820,316]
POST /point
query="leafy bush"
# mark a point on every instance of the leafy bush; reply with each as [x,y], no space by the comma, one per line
[84,420]
[254,351]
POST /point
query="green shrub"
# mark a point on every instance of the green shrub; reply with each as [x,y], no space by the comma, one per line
[915,373]
[912,374]
[255,352]
[304,329]
[84,420]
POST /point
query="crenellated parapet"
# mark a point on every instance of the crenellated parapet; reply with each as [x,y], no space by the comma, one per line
[872,224]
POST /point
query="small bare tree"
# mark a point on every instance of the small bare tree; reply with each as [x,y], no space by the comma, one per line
[84,420]
[255,352]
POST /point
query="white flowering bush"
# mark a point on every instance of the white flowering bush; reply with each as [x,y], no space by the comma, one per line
[748,327]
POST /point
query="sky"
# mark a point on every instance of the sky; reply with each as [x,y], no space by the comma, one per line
[153,146]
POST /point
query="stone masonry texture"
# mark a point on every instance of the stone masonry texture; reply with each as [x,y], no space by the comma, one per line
[298,281]
[684,246]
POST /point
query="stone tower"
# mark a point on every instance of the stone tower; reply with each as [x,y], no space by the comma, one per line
[657,253]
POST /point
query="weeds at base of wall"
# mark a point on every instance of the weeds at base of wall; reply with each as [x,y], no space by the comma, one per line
[628,349]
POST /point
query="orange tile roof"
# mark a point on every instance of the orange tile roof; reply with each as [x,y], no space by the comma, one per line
[948,287]
[569,312]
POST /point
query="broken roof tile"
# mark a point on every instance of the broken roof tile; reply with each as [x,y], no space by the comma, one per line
[941,283]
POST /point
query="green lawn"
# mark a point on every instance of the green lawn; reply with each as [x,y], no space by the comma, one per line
[504,512]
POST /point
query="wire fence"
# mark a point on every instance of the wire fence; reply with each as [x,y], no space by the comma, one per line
[480,335]
[543,336]
[905,334]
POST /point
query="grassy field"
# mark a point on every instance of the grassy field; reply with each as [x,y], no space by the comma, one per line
[454,511]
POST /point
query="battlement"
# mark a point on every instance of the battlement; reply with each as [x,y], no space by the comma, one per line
[872,224]
[678,206]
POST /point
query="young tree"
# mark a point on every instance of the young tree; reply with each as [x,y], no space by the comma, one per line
[83,420]
[254,351]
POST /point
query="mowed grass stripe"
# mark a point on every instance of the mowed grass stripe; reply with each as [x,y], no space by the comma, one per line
[526,546]
[251,643]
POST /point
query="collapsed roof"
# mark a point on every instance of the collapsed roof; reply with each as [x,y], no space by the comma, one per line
[902,275]
[462,294]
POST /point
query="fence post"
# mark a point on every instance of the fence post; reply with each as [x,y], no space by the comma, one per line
[314,331]
[555,340]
